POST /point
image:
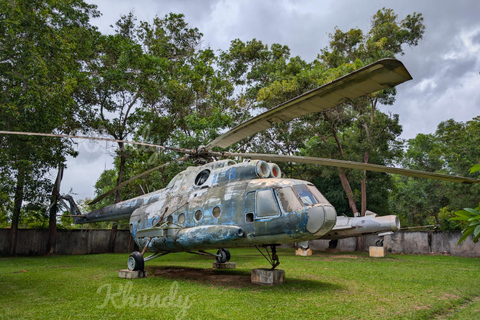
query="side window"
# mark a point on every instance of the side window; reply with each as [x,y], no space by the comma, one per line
[307,197]
[288,200]
[266,204]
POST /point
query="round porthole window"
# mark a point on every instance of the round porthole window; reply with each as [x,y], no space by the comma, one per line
[198,215]
[202,177]
[170,219]
[181,218]
[216,212]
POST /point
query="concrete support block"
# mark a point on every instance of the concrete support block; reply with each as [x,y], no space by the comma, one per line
[268,277]
[377,252]
[303,253]
[332,250]
[225,265]
[128,274]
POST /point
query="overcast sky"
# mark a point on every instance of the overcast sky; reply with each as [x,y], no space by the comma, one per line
[445,66]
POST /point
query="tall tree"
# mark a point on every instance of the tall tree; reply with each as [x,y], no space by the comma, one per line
[152,82]
[452,149]
[356,130]
[385,39]
[41,52]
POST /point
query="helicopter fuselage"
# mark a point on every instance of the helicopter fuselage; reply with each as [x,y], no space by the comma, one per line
[224,204]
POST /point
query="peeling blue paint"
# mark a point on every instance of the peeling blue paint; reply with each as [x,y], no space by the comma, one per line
[226,187]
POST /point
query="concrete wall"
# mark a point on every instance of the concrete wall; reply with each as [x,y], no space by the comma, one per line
[34,242]
[422,242]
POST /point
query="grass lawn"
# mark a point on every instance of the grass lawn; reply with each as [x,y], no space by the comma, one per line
[183,286]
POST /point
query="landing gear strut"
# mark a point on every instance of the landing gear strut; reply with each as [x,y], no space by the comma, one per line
[271,258]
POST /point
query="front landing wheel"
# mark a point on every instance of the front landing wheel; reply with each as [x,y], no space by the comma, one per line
[135,261]
[223,255]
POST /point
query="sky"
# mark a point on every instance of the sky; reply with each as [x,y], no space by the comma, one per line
[445,65]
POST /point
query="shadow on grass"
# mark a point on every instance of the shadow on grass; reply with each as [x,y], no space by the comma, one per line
[232,278]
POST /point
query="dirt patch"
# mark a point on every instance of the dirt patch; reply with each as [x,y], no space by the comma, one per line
[332,257]
[221,278]
[344,256]
[421,307]
[449,296]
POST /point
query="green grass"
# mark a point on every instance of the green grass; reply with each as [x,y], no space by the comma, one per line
[324,286]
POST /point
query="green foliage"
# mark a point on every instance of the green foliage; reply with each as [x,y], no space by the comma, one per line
[475,168]
[356,130]
[473,217]
[44,47]
[385,39]
[452,149]
[153,82]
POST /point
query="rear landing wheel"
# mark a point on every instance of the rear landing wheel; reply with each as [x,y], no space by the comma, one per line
[135,261]
[223,255]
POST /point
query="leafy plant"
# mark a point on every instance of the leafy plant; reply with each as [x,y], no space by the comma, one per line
[470,215]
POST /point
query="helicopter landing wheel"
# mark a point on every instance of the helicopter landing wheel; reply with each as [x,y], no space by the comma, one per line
[135,261]
[379,243]
[223,255]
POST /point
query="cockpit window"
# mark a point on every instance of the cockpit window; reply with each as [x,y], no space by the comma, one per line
[317,194]
[288,200]
[305,194]
[266,204]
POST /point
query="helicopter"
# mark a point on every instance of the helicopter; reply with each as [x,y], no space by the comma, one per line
[222,203]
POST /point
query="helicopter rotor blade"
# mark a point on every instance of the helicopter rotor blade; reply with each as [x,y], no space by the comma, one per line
[106,194]
[352,165]
[385,73]
[181,150]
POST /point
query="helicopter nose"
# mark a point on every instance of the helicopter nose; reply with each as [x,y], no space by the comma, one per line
[321,219]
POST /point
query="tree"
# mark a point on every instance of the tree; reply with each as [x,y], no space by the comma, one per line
[168,92]
[357,130]
[40,60]
[452,149]
[377,132]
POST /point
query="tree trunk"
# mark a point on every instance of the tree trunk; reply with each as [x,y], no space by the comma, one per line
[52,223]
[17,206]
[118,197]
[342,175]
[360,245]
[348,191]
[364,194]
[364,186]
[52,228]
[360,241]
[121,169]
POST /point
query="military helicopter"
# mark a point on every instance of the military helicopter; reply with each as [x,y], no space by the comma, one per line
[222,204]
